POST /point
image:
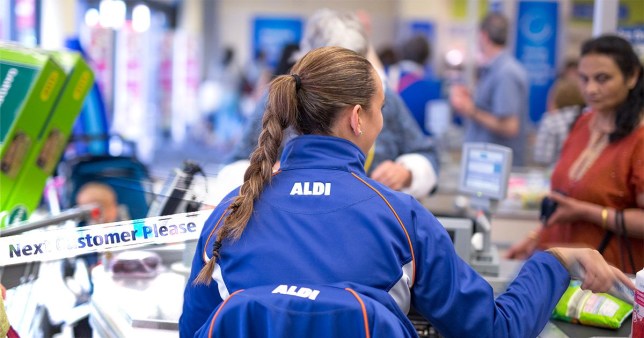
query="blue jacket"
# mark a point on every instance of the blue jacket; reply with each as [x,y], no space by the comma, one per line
[321,220]
[316,311]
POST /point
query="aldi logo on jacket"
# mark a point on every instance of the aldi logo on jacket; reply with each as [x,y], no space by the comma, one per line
[294,291]
[315,311]
[311,188]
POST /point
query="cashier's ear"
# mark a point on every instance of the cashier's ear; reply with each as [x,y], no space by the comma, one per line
[355,120]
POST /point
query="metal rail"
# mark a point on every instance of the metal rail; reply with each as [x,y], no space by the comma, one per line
[80,212]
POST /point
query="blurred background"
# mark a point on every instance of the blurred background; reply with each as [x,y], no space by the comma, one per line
[176,82]
[179,78]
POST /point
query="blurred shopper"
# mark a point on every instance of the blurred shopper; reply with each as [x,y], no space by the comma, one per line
[388,56]
[568,105]
[255,74]
[350,233]
[567,74]
[104,197]
[414,53]
[77,276]
[498,111]
[219,97]
[402,157]
[364,18]
[599,178]
[412,78]
[287,60]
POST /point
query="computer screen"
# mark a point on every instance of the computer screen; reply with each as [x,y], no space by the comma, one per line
[485,170]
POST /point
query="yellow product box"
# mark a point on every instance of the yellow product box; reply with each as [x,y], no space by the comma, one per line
[30,82]
[52,138]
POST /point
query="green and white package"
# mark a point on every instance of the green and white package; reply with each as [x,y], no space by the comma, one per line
[593,309]
[30,83]
[51,138]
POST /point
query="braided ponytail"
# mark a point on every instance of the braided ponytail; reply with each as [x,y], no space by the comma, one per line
[324,82]
[281,112]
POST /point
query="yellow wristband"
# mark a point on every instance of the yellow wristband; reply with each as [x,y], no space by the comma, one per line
[604,218]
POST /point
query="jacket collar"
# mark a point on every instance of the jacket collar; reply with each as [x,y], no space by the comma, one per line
[326,152]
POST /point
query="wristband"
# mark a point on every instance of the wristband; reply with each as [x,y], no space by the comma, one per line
[604,218]
[558,256]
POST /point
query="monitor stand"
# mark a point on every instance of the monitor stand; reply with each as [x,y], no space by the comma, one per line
[485,260]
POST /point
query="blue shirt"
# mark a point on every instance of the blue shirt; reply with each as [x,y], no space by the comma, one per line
[321,220]
[502,91]
[416,86]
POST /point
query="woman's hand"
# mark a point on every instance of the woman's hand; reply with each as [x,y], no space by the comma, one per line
[598,275]
[568,209]
[524,248]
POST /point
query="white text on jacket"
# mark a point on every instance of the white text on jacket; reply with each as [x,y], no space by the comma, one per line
[311,188]
[293,291]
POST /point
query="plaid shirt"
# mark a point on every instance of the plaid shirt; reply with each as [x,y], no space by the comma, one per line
[552,133]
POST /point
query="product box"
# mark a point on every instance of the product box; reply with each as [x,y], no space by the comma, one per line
[52,138]
[30,83]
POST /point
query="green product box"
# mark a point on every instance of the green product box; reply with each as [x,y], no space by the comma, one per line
[52,137]
[30,83]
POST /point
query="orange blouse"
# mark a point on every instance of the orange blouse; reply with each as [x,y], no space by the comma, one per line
[613,180]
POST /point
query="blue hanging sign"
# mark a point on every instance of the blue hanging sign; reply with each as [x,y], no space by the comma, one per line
[536,49]
[270,34]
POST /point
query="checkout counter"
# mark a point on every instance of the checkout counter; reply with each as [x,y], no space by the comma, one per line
[137,307]
[152,307]
[513,219]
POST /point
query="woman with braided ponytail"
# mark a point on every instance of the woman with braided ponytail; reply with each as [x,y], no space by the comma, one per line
[320,221]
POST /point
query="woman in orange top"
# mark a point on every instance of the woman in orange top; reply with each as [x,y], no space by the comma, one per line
[600,174]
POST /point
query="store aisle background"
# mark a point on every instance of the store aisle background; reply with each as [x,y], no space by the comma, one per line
[169,155]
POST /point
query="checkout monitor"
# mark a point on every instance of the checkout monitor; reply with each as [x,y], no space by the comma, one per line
[485,170]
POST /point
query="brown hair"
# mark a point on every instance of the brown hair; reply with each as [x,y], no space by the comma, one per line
[496,26]
[321,84]
[566,93]
[629,113]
